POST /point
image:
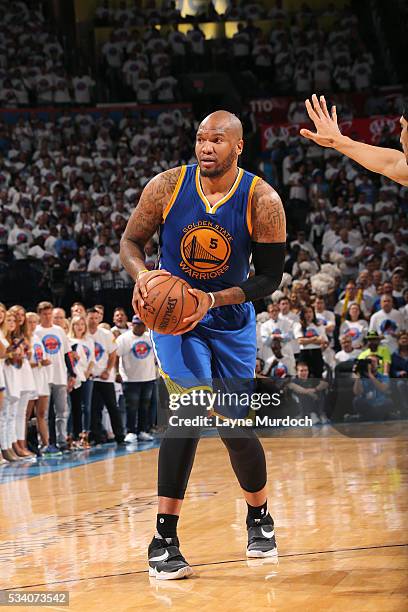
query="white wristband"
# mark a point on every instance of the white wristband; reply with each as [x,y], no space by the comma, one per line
[212,299]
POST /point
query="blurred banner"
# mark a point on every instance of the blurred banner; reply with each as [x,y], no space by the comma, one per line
[275,109]
[371,130]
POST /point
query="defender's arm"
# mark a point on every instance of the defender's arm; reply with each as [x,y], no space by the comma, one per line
[389,162]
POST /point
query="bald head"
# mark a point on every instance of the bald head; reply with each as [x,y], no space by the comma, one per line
[222,120]
[219,144]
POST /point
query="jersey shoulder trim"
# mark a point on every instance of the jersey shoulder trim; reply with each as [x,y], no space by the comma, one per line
[175,192]
[249,204]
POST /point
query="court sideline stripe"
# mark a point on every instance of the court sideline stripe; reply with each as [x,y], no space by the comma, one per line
[319,552]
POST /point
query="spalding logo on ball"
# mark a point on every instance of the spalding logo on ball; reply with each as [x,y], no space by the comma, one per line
[168,302]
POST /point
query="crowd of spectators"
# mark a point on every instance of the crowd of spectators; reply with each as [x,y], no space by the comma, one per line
[346,264]
[69,184]
[142,63]
[297,55]
[83,381]
[33,62]
[69,384]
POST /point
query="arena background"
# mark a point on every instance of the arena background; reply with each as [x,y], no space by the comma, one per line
[98,97]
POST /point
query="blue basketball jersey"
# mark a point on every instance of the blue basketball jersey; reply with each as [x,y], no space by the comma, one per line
[207,245]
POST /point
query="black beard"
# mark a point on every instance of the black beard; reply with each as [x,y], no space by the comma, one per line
[222,169]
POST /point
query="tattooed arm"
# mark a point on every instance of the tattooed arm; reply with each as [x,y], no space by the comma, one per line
[144,221]
[269,231]
[268,215]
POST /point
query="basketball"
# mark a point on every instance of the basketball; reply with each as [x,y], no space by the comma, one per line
[168,302]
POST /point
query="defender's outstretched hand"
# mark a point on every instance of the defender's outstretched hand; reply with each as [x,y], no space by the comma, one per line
[327,130]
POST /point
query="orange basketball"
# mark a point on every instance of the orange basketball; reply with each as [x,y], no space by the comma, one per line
[168,302]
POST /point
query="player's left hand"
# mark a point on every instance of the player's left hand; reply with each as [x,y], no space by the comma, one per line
[327,129]
[204,303]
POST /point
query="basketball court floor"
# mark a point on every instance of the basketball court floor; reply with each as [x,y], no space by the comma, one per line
[340,505]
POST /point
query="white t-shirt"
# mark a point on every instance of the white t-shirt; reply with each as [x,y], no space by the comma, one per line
[285,366]
[343,356]
[99,263]
[82,88]
[86,352]
[356,330]
[312,331]
[281,327]
[326,317]
[105,345]
[292,318]
[136,363]
[386,324]
[56,345]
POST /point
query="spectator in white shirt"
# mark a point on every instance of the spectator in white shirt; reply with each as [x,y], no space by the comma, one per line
[165,87]
[112,52]
[100,262]
[178,44]
[62,376]
[384,208]
[83,85]
[144,88]
[349,252]
[355,326]
[351,294]
[103,392]
[120,320]
[324,317]
[281,364]
[62,87]
[303,244]
[44,86]
[241,46]
[347,353]
[322,72]
[387,322]
[138,374]
[196,39]
[363,209]
[276,327]
[303,79]
[361,73]
[83,348]
[312,339]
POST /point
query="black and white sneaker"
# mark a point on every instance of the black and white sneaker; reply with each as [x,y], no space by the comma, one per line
[261,538]
[166,561]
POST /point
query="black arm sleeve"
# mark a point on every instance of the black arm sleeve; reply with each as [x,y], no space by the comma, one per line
[268,260]
[68,363]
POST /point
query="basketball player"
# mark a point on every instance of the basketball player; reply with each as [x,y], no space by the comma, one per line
[212,217]
[389,162]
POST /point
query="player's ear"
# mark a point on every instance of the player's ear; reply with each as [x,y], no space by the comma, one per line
[239,147]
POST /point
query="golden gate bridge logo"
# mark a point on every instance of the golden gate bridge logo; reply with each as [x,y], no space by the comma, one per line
[205,249]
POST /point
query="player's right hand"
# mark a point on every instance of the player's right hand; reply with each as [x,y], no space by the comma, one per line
[327,129]
[140,290]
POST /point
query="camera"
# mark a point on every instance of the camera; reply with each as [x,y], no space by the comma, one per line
[361,367]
